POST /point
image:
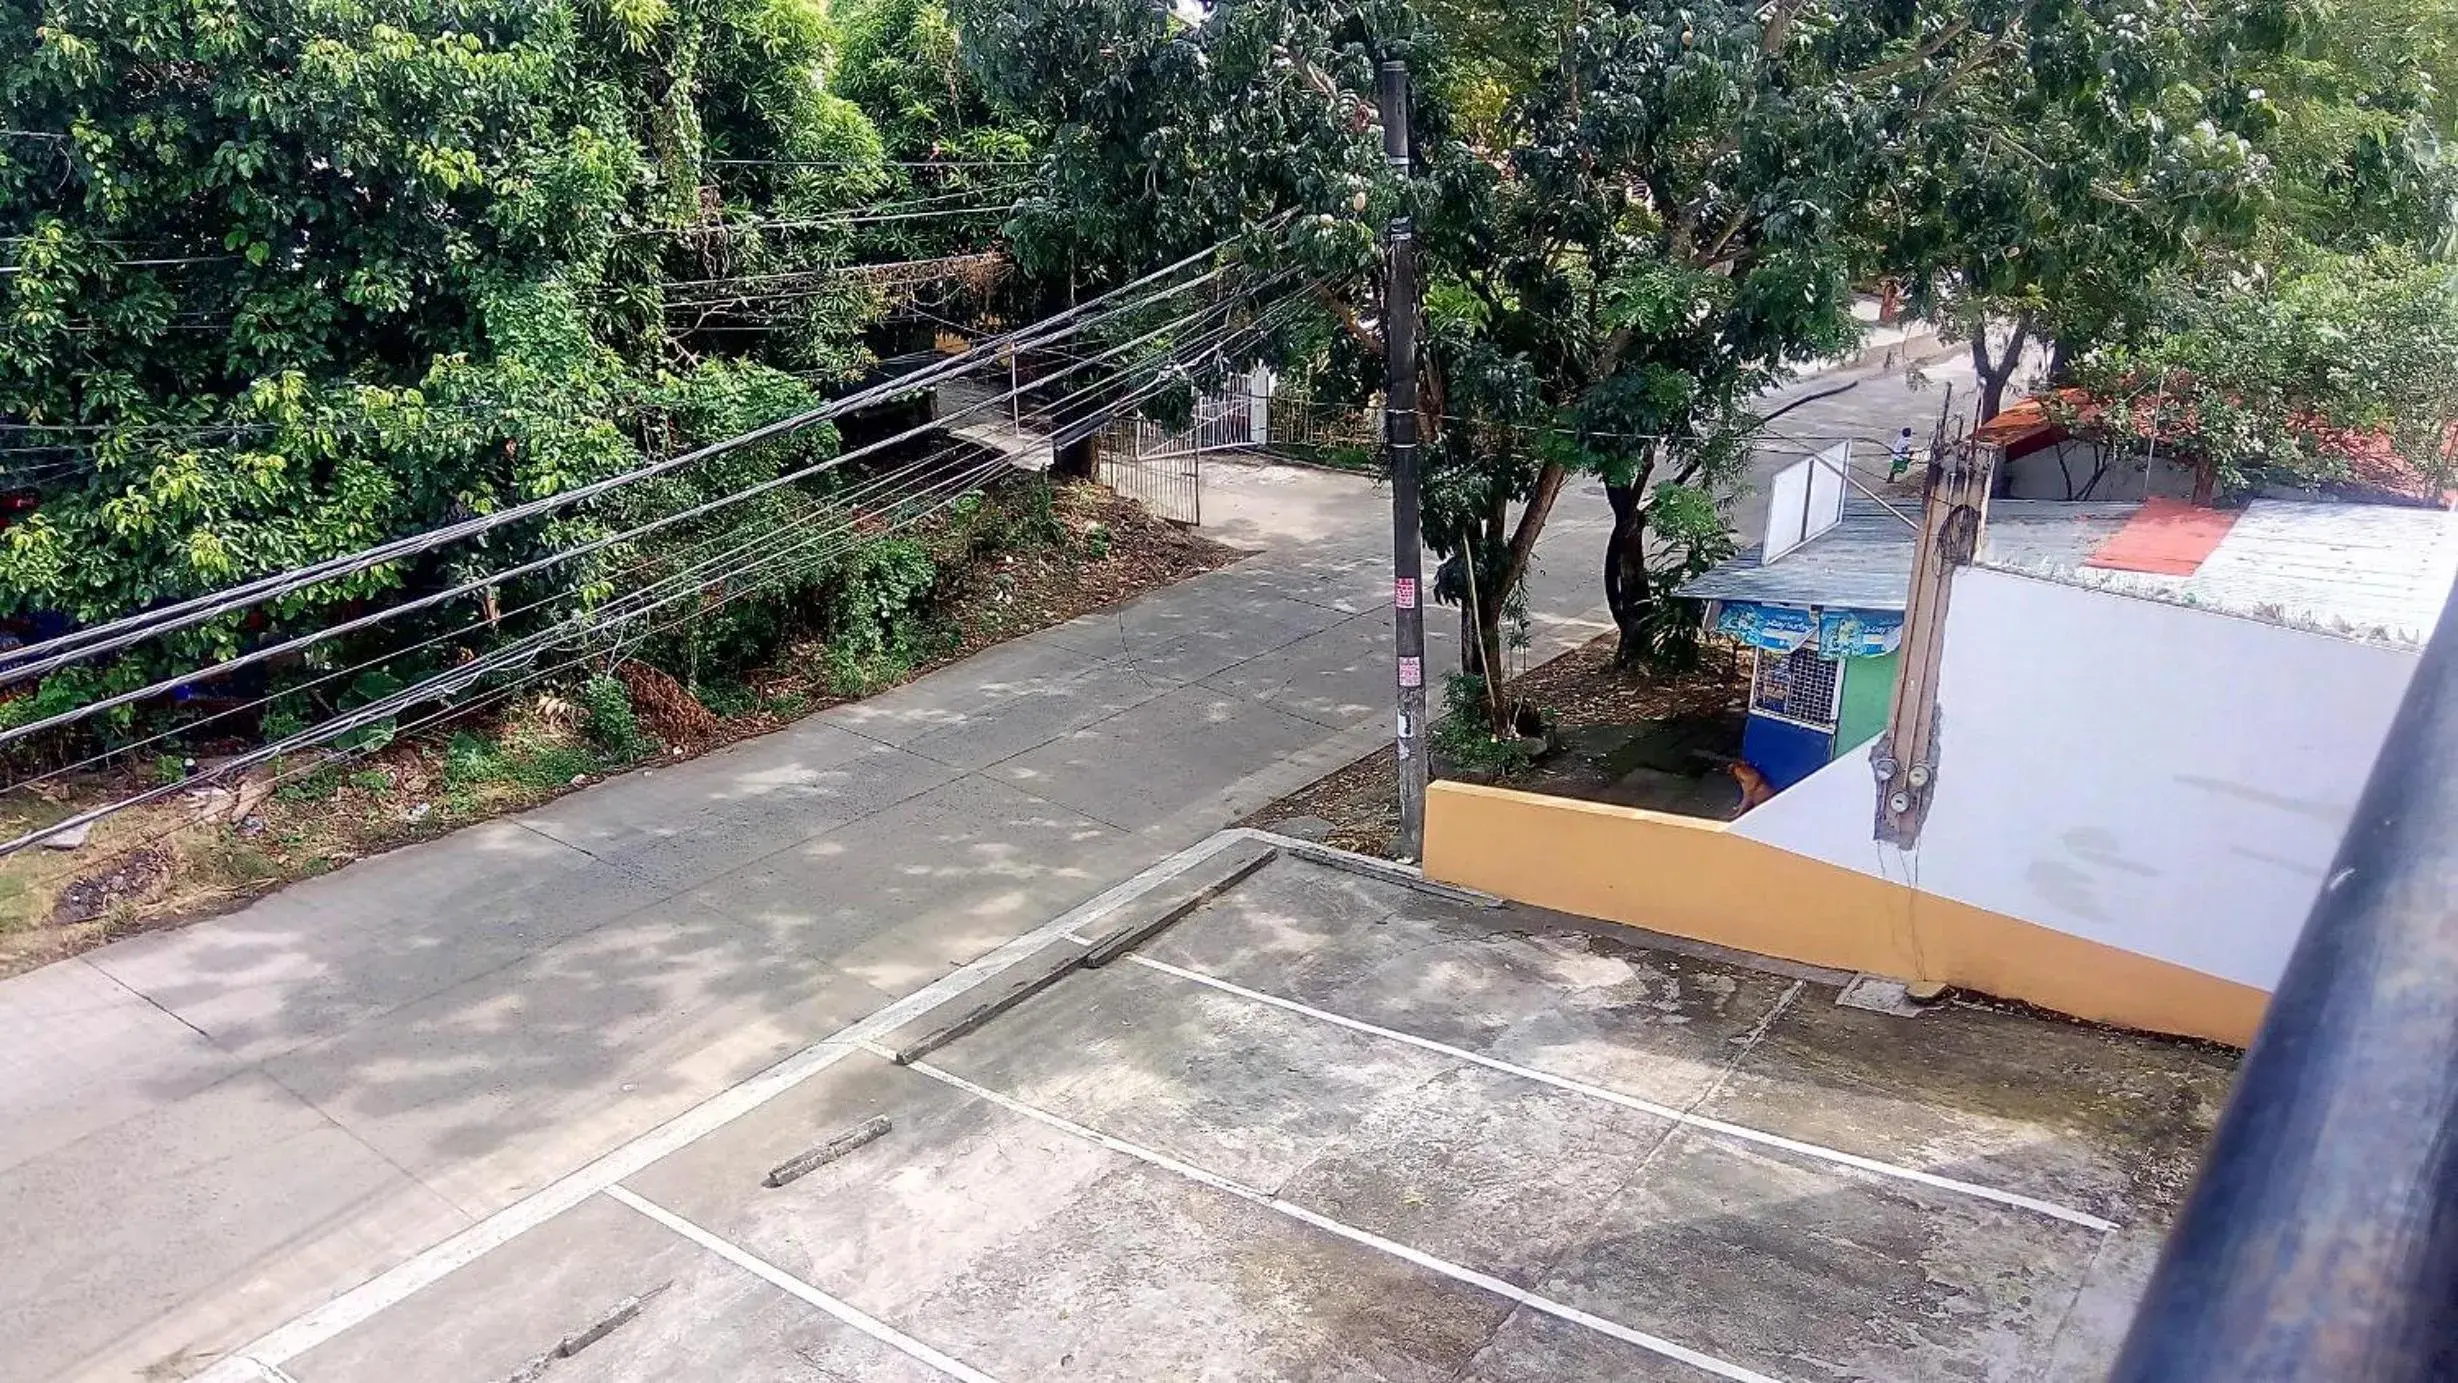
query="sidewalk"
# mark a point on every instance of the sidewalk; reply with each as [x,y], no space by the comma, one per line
[204,1131]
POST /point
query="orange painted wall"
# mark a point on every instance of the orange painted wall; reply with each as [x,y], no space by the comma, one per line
[1693,878]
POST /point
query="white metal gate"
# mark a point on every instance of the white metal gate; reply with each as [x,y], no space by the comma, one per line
[1163,470]
[1138,460]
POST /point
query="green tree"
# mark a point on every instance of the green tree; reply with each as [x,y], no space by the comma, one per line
[2098,151]
[1635,215]
[286,279]
[2345,368]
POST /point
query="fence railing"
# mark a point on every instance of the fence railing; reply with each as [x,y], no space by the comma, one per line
[1301,422]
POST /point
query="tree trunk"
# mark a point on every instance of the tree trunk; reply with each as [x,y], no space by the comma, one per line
[1076,457]
[1531,526]
[1626,592]
[2061,355]
[1994,374]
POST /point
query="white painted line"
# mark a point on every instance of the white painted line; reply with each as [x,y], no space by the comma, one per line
[1456,1272]
[386,1289]
[1662,1111]
[870,1325]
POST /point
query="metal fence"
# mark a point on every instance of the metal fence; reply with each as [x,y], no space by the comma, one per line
[1136,462]
[1162,469]
[1304,426]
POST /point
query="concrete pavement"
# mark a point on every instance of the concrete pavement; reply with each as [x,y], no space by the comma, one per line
[1329,1124]
[204,1131]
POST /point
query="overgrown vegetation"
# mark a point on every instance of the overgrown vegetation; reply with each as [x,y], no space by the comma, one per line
[2328,368]
[1465,739]
[290,279]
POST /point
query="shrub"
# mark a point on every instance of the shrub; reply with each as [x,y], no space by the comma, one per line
[611,725]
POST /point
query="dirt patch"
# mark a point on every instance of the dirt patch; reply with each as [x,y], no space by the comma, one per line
[1667,716]
[132,878]
[666,708]
[220,844]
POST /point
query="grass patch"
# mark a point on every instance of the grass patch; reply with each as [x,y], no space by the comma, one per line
[318,786]
[474,762]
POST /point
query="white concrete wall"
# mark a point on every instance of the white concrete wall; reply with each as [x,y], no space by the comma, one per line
[2037,475]
[2150,776]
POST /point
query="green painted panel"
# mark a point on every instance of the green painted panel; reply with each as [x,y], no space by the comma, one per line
[1869,684]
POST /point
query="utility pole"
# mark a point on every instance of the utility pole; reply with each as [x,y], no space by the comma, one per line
[1905,758]
[1400,444]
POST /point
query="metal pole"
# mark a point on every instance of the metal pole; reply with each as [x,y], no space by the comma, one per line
[2321,1239]
[1400,444]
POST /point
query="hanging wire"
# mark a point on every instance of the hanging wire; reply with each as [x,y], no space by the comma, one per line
[51,654]
[680,585]
[307,640]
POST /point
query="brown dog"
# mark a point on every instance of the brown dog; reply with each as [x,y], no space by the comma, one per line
[1754,785]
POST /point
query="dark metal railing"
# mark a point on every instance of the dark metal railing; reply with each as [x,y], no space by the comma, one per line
[2321,1240]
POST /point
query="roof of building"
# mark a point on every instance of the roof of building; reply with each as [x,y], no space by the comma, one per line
[2377,573]
[1865,561]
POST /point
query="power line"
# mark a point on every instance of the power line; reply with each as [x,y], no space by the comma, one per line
[815,509]
[821,222]
[138,263]
[55,653]
[384,708]
[697,578]
[307,640]
[833,269]
[866,163]
[905,209]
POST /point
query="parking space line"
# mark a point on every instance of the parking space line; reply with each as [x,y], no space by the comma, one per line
[403,1280]
[870,1325]
[1654,1344]
[1739,1132]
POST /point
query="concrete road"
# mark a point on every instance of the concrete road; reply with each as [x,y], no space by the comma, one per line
[204,1130]
[1329,1126]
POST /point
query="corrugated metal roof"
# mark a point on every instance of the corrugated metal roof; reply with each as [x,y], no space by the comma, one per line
[1865,562]
[2374,572]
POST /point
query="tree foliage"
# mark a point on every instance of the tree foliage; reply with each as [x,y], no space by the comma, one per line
[1636,215]
[2102,152]
[2344,369]
[287,279]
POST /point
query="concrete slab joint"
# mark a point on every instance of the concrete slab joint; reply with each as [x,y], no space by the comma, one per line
[1119,929]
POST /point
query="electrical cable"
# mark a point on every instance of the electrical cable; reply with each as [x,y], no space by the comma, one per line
[817,222]
[596,621]
[862,163]
[814,509]
[441,684]
[810,512]
[51,654]
[307,640]
[264,587]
